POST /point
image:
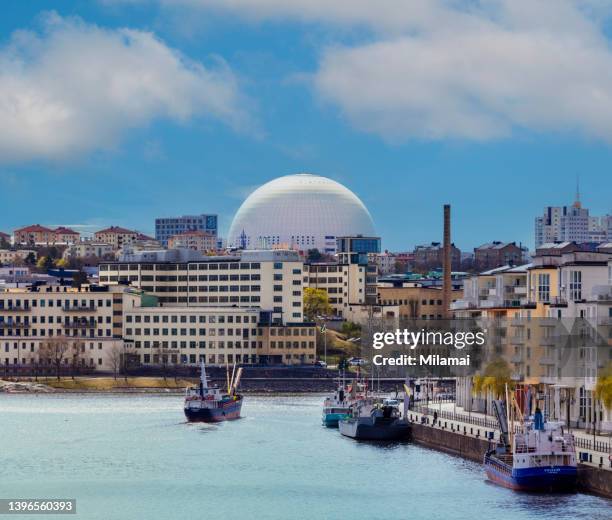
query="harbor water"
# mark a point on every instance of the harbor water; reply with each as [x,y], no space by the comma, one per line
[134,456]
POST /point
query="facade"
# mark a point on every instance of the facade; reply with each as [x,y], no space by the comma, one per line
[89,318]
[344,283]
[432,255]
[88,249]
[196,240]
[497,254]
[5,237]
[268,280]
[165,228]
[571,224]
[414,300]
[537,308]
[41,235]
[216,335]
[116,236]
[299,212]
[8,256]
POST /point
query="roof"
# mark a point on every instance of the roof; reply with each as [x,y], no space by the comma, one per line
[495,245]
[5,235]
[117,230]
[507,269]
[142,236]
[555,245]
[65,231]
[34,228]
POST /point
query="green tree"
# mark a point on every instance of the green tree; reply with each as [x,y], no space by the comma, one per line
[313,255]
[79,279]
[316,303]
[496,376]
[603,388]
[30,259]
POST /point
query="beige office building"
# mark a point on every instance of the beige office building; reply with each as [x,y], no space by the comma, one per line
[267,280]
[90,317]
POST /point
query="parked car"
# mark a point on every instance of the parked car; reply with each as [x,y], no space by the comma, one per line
[320,363]
[356,362]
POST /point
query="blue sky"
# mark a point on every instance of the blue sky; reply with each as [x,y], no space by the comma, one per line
[118,111]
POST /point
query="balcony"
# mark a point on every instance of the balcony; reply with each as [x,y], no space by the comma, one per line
[517,340]
[548,341]
[16,308]
[517,359]
[548,361]
[77,308]
[558,301]
[77,325]
[13,325]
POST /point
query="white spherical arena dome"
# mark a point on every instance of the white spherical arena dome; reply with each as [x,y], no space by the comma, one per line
[301,211]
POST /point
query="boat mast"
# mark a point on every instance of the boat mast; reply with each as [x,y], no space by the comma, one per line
[203,379]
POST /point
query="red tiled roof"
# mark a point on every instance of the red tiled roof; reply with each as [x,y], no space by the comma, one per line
[65,231]
[35,228]
[115,229]
[142,236]
[4,235]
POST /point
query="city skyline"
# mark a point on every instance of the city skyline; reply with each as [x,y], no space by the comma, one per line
[257,97]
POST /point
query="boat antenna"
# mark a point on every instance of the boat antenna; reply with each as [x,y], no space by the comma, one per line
[203,378]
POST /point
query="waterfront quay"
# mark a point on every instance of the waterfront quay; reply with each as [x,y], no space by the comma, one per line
[446,427]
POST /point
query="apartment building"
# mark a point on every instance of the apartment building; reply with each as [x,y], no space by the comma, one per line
[9,257]
[270,280]
[496,254]
[165,228]
[196,240]
[86,249]
[344,283]
[414,300]
[216,335]
[90,317]
[41,235]
[430,256]
[556,337]
[116,236]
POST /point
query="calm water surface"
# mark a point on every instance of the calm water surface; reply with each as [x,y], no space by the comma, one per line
[132,457]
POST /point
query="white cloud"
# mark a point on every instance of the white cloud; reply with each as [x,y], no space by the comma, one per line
[466,69]
[76,87]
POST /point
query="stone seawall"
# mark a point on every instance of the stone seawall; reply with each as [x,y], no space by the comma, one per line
[454,443]
[590,479]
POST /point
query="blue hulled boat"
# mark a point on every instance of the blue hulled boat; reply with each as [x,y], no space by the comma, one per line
[539,457]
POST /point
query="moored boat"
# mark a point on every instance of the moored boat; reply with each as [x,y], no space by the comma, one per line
[539,457]
[375,421]
[208,404]
[338,406]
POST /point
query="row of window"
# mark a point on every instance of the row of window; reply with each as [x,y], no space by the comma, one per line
[189,332]
[174,318]
[64,304]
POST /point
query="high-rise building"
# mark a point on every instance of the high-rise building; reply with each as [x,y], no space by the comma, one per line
[171,226]
[571,224]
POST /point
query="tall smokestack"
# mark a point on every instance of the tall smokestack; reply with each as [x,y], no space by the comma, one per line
[446,264]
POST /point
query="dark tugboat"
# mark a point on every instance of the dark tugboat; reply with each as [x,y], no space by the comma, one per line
[375,422]
[208,404]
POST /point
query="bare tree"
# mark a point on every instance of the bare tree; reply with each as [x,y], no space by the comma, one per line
[115,357]
[54,352]
[76,353]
